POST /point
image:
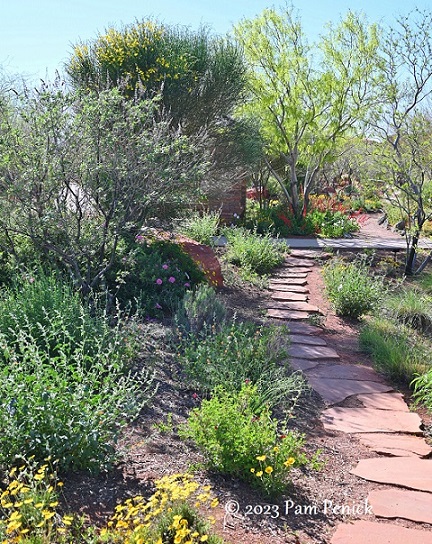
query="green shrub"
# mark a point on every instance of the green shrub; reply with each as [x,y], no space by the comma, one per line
[239,353]
[396,350]
[238,439]
[71,404]
[48,310]
[254,254]
[200,312]
[333,224]
[351,288]
[154,277]
[202,227]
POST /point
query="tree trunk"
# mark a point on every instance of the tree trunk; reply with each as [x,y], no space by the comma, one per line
[411,256]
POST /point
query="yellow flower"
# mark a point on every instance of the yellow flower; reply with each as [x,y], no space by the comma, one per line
[269,470]
[289,462]
[252,470]
[259,474]
[276,449]
[261,458]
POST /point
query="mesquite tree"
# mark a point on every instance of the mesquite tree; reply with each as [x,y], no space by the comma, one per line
[307,98]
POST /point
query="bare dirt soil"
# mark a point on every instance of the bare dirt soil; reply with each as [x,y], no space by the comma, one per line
[151,448]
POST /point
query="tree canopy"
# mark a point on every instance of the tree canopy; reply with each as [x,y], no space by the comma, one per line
[306,98]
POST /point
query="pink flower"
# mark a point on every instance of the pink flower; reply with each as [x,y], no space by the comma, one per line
[139,238]
[165,266]
[195,396]
[171,279]
[187,284]
[159,281]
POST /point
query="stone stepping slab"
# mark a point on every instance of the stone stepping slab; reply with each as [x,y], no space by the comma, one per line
[303,328]
[389,401]
[278,304]
[286,295]
[290,288]
[369,420]
[347,372]
[302,307]
[286,314]
[313,352]
[307,339]
[401,503]
[309,254]
[293,262]
[372,532]
[286,279]
[302,364]
[337,390]
[289,271]
[411,472]
[287,286]
[396,445]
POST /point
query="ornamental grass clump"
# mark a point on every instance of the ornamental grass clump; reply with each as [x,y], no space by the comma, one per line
[239,436]
[352,289]
[241,352]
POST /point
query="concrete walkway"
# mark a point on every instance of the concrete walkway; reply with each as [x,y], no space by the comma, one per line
[383,421]
[357,243]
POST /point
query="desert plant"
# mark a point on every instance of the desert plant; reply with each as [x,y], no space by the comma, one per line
[411,307]
[108,166]
[351,288]
[202,227]
[236,433]
[396,351]
[200,312]
[71,406]
[422,388]
[46,307]
[153,276]
[253,253]
[242,352]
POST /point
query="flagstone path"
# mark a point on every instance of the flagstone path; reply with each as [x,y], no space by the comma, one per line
[381,419]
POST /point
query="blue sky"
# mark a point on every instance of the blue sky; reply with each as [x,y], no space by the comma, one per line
[36,36]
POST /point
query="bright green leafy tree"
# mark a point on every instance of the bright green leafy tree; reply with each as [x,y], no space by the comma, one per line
[306,98]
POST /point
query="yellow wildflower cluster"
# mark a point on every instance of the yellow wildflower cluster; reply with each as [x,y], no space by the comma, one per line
[27,505]
[272,470]
[136,519]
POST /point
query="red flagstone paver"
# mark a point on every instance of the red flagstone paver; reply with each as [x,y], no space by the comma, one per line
[285,279]
[286,314]
[411,472]
[371,532]
[313,352]
[307,339]
[290,288]
[289,271]
[401,503]
[286,287]
[347,372]
[336,390]
[396,444]
[389,401]
[286,295]
[303,364]
[302,307]
[303,328]
[294,262]
[368,420]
